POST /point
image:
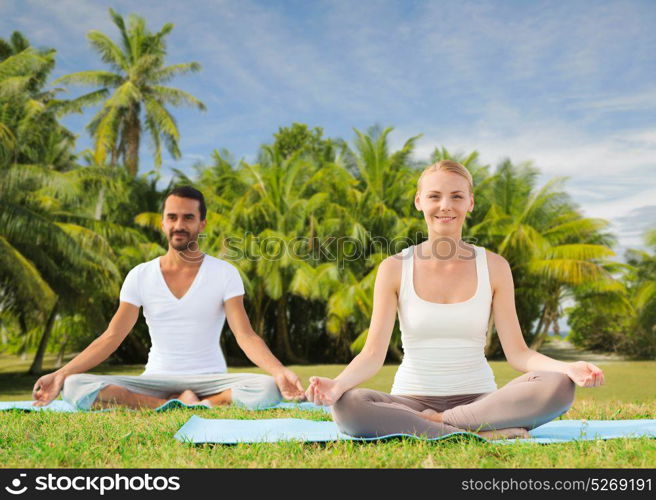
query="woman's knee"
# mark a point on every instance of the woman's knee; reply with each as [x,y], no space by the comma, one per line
[351,399]
[565,390]
[348,407]
[561,389]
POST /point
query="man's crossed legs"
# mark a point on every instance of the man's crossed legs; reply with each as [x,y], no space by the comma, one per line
[248,390]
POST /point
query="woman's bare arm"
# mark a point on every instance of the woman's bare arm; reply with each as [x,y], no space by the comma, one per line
[518,354]
[367,363]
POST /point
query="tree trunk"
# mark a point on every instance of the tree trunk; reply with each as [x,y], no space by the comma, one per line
[100,203]
[36,368]
[542,336]
[22,351]
[283,345]
[550,315]
[490,344]
[543,316]
[259,313]
[259,323]
[394,353]
[3,333]
[113,158]
[132,137]
[556,326]
[60,355]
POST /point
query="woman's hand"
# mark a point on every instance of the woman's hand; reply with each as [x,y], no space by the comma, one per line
[323,391]
[47,388]
[585,374]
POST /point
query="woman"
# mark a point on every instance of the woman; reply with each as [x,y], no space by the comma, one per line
[444,290]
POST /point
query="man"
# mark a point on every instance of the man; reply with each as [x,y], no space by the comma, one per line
[186,296]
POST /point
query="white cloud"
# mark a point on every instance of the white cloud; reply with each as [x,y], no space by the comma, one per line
[558,149]
[639,101]
[610,176]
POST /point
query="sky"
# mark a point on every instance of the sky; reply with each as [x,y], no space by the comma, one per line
[569,86]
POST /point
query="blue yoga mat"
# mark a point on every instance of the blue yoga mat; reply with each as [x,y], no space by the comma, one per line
[62,406]
[201,430]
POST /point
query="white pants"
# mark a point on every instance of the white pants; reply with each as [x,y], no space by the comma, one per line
[249,390]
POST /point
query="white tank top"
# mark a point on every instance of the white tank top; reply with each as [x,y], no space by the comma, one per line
[443,344]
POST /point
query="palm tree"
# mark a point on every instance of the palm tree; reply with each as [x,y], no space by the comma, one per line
[29,131]
[52,260]
[133,86]
[380,173]
[641,338]
[278,208]
[24,120]
[55,260]
[375,205]
[623,319]
[549,245]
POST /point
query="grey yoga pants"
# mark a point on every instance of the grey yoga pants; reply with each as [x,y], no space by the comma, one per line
[528,401]
[249,390]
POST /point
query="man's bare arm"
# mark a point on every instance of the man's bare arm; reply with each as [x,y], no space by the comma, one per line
[249,341]
[100,349]
[257,351]
[47,388]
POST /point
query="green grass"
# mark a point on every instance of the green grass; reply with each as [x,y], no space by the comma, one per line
[123,438]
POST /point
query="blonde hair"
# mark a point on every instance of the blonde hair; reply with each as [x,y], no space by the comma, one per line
[448,166]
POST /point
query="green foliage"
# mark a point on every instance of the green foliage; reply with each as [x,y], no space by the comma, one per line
[621,319]
[549,245]
[299,138]
[596,328]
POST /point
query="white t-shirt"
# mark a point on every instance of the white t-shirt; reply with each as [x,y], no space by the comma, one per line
[185,332]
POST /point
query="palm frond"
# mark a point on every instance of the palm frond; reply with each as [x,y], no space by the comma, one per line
[110,53]
[97,78]
[152,220]
[21,284]
[177,97]
[167,73]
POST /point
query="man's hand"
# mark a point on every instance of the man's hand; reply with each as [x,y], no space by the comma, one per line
[290,385]
[47,388]
[585,374]
[323,391]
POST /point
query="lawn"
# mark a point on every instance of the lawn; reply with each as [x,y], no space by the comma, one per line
[145,439]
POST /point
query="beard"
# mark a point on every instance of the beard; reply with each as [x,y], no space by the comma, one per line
[187,242]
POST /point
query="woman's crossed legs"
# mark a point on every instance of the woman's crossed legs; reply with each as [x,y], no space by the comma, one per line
[525,402]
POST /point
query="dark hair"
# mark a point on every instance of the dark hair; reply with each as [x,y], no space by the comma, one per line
[188,192]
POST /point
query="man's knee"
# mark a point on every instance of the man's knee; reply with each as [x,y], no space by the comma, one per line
[80,389]
[73,383]
[257,391]
[269,389]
